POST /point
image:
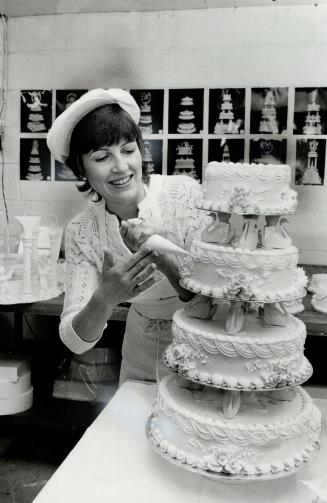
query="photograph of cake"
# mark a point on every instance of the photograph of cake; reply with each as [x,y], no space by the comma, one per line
[35,164]
[151,103]
[269,110]
[152,157]
[310,161]
[310,111]
[65,98]
[185,158]
[226,111]
[226,150]
[185,111]
[63,173]
[268,151]
[35,111]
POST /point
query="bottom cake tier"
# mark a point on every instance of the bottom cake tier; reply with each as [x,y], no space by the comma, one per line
[273,434]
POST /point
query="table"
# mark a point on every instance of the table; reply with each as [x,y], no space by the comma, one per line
[50,307]
[114,462]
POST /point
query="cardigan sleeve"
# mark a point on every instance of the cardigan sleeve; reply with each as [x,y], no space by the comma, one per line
[82,275]
[184,221]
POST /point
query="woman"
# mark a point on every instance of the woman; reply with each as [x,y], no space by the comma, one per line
[98,138]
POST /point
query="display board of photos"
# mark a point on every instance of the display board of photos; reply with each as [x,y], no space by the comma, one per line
[184,129]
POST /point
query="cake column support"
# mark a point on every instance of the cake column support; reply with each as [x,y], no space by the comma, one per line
[231,403]
[54,236]
[29,223]
[235,317]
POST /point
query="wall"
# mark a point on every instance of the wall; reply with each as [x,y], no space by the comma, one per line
[248,46]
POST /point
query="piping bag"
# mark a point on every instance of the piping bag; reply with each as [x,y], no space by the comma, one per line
[163,245]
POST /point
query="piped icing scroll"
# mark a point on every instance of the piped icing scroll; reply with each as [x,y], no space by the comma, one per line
[268,436]
[252,358]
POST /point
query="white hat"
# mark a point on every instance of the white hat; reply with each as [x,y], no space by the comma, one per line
[59,135]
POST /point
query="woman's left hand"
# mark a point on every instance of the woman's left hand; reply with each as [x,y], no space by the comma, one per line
[136,231]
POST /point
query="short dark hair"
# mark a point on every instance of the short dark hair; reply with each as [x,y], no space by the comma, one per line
[104,126]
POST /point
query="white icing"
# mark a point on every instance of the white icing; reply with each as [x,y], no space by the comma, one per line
[266,436]
[248,188]
[259,424]
[255,358]
[266,275]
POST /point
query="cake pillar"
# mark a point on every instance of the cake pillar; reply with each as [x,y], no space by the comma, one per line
[27,271]
[231,403]
[6,245]
[29,223]
[35,236]
[236,317]
[54,235]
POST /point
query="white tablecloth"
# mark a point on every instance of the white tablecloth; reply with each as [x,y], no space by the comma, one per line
[114,463]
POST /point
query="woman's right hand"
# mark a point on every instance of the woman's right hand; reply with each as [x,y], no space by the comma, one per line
[122,281]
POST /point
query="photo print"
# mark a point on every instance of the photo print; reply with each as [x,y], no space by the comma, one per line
[151,103]
[185,158]
[35,163]
[226,150]
[63,173]
[226,111]
[310,111]
[66,97]
[185,111]
[152,157]
[267,151]
[35,111]
[269,110]
[310,161]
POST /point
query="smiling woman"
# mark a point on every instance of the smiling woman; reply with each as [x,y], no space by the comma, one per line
[99,139]
[115,173]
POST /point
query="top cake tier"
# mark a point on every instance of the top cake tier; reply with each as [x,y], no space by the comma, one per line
[248,189]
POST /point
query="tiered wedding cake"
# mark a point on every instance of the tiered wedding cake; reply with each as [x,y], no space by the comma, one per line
[35,118]
[311,174]
[34,170]
[184,160]
[268,123]
[186,116]
[148,164]
[312,124]
[226,122]
[232,407]
[145,123]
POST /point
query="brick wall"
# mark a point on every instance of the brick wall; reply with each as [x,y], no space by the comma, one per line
[248,46]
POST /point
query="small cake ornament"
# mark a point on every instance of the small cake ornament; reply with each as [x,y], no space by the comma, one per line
[317,281]
[319,299]
[219,229]
[294,306]
[282,395]
[236,317]
[271,315]
[201,307]
[231,403]
[249,236]
[274,234]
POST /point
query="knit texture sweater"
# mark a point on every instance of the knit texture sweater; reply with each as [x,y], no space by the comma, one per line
[94,229]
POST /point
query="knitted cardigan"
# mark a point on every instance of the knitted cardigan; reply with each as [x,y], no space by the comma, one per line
[94,229]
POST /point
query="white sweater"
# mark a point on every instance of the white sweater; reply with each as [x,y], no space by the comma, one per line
[94,229]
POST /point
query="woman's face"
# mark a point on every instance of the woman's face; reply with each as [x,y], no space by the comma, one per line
[115,173]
